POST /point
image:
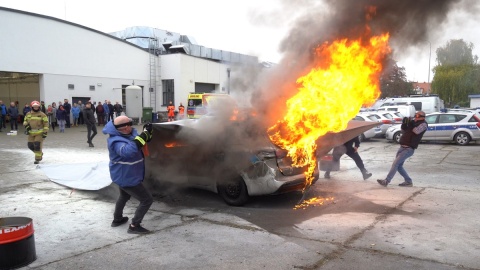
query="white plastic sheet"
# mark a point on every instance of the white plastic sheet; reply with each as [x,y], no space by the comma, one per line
[82,176]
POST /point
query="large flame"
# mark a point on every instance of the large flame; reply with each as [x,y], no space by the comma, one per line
[329,96]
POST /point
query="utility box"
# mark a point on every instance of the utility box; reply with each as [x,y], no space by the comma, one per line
[133,101]
[147,115]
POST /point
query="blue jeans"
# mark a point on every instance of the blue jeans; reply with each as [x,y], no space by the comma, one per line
[138,192]
[402,154]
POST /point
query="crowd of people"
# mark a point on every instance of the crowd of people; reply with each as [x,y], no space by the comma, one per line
[60,115]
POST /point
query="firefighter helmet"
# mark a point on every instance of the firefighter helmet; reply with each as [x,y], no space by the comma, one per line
[35,103]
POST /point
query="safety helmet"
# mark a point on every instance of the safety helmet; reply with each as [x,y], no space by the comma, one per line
[35,103]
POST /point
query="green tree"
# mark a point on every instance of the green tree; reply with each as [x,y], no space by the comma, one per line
[455,53]
[393,81]
[457,73]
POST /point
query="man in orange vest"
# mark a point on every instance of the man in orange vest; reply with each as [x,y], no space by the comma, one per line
[181,111]
[171,112]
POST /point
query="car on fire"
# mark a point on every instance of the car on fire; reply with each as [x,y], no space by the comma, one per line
[236,160]
[458,126]
[192,153]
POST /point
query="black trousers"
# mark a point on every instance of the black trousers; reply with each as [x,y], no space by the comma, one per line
[67,119]
[353,155]
[138,192]
[358,160]
[90,135]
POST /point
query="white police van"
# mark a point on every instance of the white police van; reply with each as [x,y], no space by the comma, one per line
[428,104]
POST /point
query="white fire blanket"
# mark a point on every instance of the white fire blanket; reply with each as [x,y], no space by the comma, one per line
[82,176]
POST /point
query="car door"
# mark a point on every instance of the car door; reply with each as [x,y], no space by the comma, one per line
[432,123]
[445,125]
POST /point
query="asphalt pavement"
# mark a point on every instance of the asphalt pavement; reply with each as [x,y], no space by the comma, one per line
[360,225]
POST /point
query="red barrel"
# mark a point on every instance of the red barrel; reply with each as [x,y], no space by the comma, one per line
[17,242]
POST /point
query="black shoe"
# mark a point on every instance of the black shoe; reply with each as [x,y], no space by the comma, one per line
[406,184]
[90,145]
[116,223]
[366,175]
[327,175]
[138,229]
[36,162]
[382,182]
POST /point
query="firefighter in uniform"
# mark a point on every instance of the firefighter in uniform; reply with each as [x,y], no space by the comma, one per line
[36,127]
[171,112]
[181,111]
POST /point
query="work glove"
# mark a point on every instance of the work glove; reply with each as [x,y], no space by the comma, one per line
[44,135]
[27,129]
[148,127]
[411,124]
[142,139]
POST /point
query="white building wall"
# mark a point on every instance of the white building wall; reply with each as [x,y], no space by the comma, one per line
[69,54]
[55,88]
[186,70]
[64,53]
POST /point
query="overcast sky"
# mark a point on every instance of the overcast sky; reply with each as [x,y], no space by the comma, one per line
[238,26]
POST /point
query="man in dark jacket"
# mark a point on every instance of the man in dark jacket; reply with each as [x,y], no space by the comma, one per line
[89,119]
[111,111]
[351,149]
[127,169]
[13,113]
[67,108]
[100,114]
[413,130]
[118,109]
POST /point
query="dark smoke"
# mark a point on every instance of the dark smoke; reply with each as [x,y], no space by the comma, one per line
[409,22]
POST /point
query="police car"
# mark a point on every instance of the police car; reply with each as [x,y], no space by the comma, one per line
[458,126]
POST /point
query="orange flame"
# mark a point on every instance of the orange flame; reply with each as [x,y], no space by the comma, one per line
[315,201]
[330,95]
[174,144]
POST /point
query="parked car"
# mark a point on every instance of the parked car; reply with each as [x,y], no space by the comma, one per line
[373,132]
[460,127]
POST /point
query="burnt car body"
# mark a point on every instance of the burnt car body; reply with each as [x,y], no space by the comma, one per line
[236,161]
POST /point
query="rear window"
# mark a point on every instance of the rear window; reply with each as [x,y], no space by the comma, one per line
[387,115]
[373,117]
[474,118]
[358,118]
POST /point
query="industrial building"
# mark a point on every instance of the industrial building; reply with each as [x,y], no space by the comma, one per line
[49,59]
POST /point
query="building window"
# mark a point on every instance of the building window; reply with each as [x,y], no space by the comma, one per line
[92,87]
[71,86]
[168,91]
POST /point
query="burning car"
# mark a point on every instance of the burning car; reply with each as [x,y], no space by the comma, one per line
[236,160]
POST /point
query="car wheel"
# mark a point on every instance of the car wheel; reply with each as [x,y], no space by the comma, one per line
[234,191]
[362,137]
[396,136]
[462,138]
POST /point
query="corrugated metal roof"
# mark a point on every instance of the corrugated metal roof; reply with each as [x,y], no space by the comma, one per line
[171,42]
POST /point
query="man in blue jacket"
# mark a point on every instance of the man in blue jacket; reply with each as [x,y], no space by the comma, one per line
[127,169]
[3,115]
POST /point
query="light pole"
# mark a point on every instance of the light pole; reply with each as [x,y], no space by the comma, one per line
[429,57]
[228,75]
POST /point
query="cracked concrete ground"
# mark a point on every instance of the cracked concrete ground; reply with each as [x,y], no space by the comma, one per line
[433,225]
